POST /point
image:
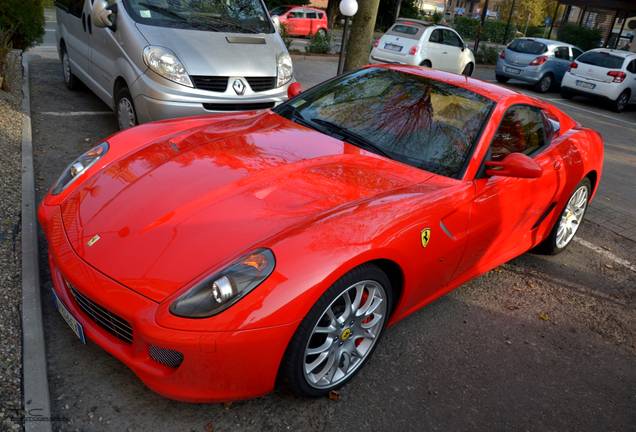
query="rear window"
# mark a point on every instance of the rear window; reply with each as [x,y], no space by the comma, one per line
[405,29]
[527,47]
[602,59]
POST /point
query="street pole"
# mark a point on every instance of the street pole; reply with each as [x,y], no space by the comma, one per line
[525,33]
[481,27]
[398,3]
[342,46]
[508,25]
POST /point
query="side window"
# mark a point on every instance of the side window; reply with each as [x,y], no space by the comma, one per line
[522,130]
[311,14]
[631,67]
[320,15]
[562,53]
[575,53]
[451,38]
[296,13]
[436,36]
[77,7]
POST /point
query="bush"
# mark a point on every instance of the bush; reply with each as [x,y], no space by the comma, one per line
[583,37]
[8,61]
[283,30]
[535,31]
[487,54]
[493,29]
[29,15]
[318,44]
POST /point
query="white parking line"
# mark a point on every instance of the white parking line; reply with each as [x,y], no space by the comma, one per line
[76,113]
[606,254]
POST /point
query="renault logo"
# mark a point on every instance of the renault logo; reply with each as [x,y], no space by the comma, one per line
[238,87]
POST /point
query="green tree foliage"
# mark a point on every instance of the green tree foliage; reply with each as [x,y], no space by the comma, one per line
[271,4]
[30,16]
[386,13]
[583,37]
[493,29]
[536,9]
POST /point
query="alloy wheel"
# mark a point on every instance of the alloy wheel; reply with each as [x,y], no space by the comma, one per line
[572,217]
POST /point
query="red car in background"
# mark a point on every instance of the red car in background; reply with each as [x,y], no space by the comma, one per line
[302,21]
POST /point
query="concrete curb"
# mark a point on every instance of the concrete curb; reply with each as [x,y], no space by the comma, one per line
[314,57]
[35,384]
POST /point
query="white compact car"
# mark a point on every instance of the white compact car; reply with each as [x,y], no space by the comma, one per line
[422,43]
[604,74]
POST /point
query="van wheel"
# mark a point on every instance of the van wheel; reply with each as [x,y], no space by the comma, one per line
[71,81]
[125,109]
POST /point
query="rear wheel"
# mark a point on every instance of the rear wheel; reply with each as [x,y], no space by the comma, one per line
[501,79]
[544,83]
[566,94]
[426,63]
[468,70]
[70,80]
[322,32]
[570,220]
[621,102]
[125,109]
[339,333]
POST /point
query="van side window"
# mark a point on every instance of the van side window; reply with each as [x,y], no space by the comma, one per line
[77,7]
[522,130]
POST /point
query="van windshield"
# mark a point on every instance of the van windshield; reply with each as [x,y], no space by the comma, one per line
[228,16]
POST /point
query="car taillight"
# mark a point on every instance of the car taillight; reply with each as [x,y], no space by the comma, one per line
[539,61]
[573,65]
[413,50]
[618,76]
[376,43]
[503,54]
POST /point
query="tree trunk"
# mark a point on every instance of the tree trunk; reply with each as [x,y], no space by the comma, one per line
[332,13]
[362,27]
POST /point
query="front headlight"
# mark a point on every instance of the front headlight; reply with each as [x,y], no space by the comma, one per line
[221,291]
[165,63]
[78,167]
[284,69]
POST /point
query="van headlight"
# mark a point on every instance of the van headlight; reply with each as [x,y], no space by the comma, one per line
[79,167]
[284,69]
[164,62]
[219,292]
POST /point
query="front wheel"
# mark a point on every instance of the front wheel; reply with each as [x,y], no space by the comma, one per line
[70,79]
[125,109]
[339,333]
[570,220]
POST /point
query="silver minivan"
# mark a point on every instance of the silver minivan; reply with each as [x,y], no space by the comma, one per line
[160,59]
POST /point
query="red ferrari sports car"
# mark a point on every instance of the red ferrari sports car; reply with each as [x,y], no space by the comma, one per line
[214,254]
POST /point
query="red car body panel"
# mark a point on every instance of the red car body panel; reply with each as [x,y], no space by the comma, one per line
[196,194]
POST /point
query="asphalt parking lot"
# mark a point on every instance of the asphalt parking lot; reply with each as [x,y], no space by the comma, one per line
[478,358]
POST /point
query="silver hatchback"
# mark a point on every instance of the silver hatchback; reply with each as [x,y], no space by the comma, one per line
[541,62]
[160,59]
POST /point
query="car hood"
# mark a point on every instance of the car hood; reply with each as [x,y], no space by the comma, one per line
[207,53]
[173,209]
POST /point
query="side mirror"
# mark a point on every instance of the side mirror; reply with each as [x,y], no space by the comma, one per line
[293,90]
[464,46]
[103,14]
[515,165]
[276,21]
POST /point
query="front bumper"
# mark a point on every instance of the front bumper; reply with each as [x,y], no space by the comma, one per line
[157,98]
[217,365]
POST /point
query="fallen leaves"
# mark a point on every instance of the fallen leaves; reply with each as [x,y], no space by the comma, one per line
[517,289]
[609,266]
[617,296]
[209,427]
[497,269]
[607,248]
[334,395]
[227,405]
[544,317]
[529,284]
[513,307]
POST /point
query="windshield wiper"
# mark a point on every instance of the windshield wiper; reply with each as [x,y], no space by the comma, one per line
[163,10]
[351,137]
[222,21]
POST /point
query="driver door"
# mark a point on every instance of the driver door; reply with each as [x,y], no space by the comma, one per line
[507,210]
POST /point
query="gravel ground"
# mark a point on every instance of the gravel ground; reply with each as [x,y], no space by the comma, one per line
[10,255]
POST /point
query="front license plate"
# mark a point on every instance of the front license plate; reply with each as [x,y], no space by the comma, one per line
[586,85]
[68,317]
[393,47]
[513,70]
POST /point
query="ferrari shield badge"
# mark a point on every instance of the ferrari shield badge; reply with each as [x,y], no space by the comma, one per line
[426,236]
[92,241]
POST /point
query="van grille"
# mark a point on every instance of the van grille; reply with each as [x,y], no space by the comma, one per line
[107,320]
[259,84]
[210,83]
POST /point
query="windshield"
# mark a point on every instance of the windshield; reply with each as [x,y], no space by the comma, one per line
[415,120]
[527,46]
[229,16]
[280,10]
[602,59]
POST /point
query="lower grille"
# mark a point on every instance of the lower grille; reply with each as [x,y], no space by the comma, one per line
[238,106]
[259,84]
[107,320]
[165,356]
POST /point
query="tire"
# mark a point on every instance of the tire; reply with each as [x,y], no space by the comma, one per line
[125,109]
[621,102]
[426,63]
[71,81]
[569,221]
[329,347]
[544,83]
[566,94]
[322,32]
[468,70]
[501,79]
